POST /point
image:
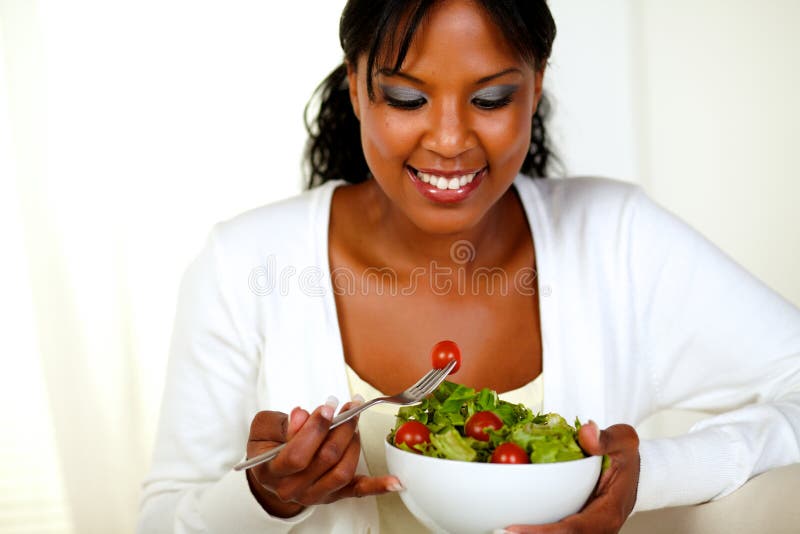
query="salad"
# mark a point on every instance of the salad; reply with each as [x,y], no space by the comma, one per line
[459,423]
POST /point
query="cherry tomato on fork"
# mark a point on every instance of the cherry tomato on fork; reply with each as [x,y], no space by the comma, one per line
[443,352]
[412,433]
[477,424]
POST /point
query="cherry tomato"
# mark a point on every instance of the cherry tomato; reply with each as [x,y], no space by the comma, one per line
[510,453]
[443,352]
[412,433]
[477,424]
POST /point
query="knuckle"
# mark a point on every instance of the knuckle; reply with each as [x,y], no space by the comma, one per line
[265,422]
[340,477]
[306,500]
[285,492]
[295,460]
[257,422]
[634,436]
[572,525]
[330,452]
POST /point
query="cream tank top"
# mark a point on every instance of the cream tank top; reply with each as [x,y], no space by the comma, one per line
[374,425]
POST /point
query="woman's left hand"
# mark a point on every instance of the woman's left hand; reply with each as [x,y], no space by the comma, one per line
[615,494]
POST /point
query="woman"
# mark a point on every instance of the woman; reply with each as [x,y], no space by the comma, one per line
[630,311]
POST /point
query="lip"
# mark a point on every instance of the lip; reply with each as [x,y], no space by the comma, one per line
[446,196]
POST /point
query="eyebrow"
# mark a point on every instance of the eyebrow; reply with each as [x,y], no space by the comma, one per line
[497,75]
[388,72]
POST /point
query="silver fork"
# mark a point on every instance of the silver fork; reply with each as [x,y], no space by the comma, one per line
[413,395]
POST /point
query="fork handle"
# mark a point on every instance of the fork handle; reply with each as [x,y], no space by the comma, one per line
[352,412]
[273,452]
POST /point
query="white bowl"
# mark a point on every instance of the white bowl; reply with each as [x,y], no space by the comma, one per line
[468,497]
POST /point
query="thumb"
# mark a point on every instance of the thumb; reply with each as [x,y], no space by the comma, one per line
[613,441]
[589,438]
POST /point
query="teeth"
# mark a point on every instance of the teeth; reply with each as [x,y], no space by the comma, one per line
[444,183]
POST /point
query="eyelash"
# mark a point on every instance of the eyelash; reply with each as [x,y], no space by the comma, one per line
[492,104]
[411,105]
[404,104]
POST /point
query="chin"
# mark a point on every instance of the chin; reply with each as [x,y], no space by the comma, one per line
[445,221]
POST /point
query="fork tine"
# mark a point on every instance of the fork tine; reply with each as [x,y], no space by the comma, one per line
[434,378]
[423,386]
[431,380]
[425,379]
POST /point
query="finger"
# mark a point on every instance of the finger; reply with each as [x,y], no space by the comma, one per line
[297,419]
[340,441]
[336,477]
[551,528]
[580,522]
[355,402]
[301,450]
[362,485]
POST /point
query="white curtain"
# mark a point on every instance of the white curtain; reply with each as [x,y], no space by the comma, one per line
[128,128]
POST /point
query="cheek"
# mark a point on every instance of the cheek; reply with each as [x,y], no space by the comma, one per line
[507,141]
[387,137]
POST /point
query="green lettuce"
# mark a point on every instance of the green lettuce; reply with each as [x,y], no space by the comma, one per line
[545,437]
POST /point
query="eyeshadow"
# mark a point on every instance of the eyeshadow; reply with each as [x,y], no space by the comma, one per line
[496,92]
[399,92]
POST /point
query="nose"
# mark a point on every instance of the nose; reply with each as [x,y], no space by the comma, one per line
[449,133]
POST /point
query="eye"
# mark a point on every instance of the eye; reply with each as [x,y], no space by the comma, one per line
[404,104]
[494,97]
[403,97]
[491,104]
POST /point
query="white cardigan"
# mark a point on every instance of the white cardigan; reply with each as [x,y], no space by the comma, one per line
[638,313]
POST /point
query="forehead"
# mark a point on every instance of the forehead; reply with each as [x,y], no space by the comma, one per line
[455,35]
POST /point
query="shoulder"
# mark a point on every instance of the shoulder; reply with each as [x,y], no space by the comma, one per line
[581,192]
[283,226]
[566,202]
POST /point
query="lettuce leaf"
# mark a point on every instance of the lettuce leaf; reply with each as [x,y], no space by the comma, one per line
[545,437]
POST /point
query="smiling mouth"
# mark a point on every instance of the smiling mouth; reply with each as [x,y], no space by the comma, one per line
[452,181]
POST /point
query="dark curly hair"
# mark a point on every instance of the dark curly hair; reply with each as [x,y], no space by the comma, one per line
[334,149]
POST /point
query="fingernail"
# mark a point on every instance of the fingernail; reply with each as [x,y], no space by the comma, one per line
[501,531]
[394,486]
[596,427]
[327,409]
[291,414]
[358,398]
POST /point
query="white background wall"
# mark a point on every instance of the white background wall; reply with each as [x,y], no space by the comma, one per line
[128,129]
[696,102]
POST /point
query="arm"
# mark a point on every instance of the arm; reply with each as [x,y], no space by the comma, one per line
[717,340]
[209,401]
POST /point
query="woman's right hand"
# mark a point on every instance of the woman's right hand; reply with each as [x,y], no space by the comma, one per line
[317,465]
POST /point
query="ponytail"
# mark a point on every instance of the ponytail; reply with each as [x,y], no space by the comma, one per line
[540,156]
[333,150]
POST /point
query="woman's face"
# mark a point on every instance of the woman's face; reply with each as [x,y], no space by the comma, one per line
[446,135]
